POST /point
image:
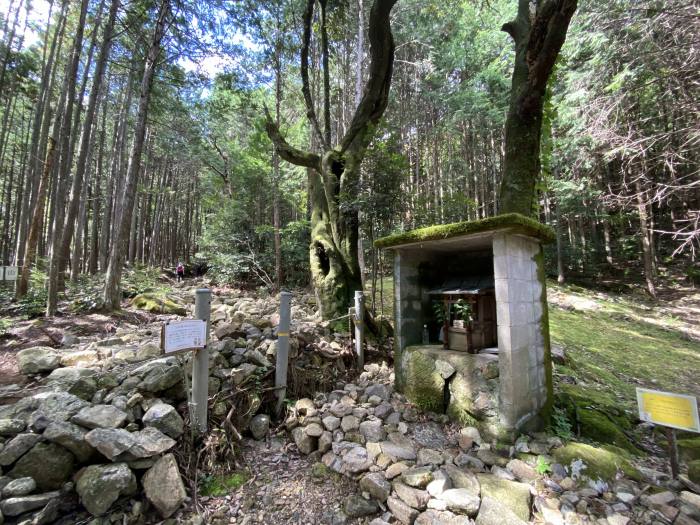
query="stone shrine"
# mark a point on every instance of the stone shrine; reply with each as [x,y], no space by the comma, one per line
[449,356]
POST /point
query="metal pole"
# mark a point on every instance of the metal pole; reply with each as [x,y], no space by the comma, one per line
[360,329]
[200,366]
[282,362]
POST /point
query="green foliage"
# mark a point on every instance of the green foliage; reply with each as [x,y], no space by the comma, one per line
[462,310]
[86,294]
[5,324]
[542,467]
[221,485]
[560,425]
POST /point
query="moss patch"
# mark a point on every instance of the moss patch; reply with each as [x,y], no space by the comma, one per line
[157,303]
[511,221]
[694,471]
[689,449]
[423,385]
[222,485]
[600,463]
[595,425]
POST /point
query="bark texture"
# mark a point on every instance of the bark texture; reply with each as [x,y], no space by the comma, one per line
[334,173]
[538,31]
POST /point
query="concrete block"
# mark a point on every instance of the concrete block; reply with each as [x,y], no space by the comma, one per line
[500,266]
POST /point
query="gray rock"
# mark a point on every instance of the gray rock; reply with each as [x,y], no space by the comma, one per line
[445,369]
[325,442]
[437,517]
[99,486]
[415,498]
[357,460]
[521,470]
[37,359]
[314,429]
[463,460]
[81,382]
[511,494]
[54,406]
[376,485]
[461,501]
[71,437]
[49,464]
[372,430]
[398,452]
[16,447]
[165,418]
[17,506]
[441,482]
[331,423]
[10,427]
[383,410]
[117,444]
[349,423]
[428,456]
[305,443]
[463,479]
[100,416]
[378,390]
[19,487]
[259,426]
[493,512]
[159,375]
[242,373]
[417,477]
[341,409]
[402,512]
[356,506]
[257,358]
[163,486]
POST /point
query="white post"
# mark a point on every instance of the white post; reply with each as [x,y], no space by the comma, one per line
[200,366]
[282,362]
[360,328]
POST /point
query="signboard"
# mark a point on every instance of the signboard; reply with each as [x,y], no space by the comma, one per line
[10,273]
[184,335]
[667,409]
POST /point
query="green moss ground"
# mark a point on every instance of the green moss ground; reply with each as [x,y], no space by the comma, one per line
[600,463]
[218,486]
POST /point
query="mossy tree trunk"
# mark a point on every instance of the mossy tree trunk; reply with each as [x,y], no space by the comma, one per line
[334,172]
[538,31]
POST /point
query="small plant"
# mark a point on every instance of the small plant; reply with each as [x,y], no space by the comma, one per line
[5,325]
[561,426]
[221,485]
[543,467]
[462,310]
[439,312]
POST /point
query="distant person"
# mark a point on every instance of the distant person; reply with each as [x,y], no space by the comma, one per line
[180,271]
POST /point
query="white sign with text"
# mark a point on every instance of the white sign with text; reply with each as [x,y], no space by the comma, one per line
[10,273]
[184,335]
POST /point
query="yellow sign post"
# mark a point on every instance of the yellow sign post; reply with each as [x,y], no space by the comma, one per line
[673,411]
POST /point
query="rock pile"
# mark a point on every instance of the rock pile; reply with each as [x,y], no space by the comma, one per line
[414,469]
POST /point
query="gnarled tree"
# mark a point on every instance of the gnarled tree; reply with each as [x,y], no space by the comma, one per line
[539,31]
[334,172]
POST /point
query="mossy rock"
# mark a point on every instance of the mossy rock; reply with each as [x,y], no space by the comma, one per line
[600,462]
[425,387]
[694,471]
[157,304]
[516,496]
[689,449]
[582,397]
[596,426]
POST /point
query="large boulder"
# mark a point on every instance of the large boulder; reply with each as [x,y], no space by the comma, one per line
[99,486]
[599,463]
[11,427]
[356,506]
[38,359]
[158,304]
[117,444]
[165,418]
[70,437]
[510,494]
[163,486]
[17,447]
[100,416]
[81,382]
[49,464]
[159,375]
[81,358]
[54,406]
[495,512]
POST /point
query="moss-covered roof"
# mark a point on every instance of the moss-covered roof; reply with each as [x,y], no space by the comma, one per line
[509,221]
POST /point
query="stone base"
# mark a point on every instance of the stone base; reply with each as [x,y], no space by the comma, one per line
[464,386]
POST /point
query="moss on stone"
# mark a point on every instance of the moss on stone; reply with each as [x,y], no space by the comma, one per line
[600,463]
[516,496]
[596,426]
[156,303]
[689,449]
[460,407]
[423,385]
[546,411]
[510,221]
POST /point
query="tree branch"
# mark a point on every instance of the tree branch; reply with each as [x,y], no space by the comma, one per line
[326,76]
[376,93]
[287,151]
[305,87]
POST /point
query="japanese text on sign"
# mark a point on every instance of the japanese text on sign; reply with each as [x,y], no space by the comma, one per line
[10,273]
[184,335]
[667,409]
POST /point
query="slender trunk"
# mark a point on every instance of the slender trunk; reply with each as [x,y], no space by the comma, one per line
[112,292]
[646,241]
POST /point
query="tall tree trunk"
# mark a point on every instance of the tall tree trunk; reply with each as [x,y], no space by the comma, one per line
[647,255]
[538,38]
[112,291]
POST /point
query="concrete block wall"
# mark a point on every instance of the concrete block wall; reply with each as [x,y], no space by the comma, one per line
[519,310]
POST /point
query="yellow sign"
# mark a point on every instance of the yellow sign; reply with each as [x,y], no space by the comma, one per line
[667,409]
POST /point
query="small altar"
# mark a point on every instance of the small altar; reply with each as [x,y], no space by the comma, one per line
[472,333]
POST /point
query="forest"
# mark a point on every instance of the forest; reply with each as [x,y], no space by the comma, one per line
[260,146]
